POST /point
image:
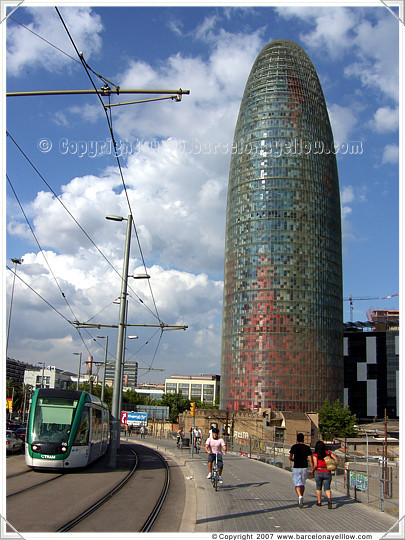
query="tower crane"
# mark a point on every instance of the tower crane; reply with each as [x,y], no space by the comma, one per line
[350,299]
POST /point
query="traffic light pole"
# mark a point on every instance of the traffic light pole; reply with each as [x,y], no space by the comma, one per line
[192,412]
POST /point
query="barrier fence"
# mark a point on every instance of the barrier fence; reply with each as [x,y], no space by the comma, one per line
[370,480]
[367,479]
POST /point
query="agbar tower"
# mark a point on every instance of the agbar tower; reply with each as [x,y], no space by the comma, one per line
[282,314]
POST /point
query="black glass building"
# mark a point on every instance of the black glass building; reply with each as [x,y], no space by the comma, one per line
[282,316]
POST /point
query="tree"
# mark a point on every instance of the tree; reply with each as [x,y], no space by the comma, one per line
[177,404]
[336,420]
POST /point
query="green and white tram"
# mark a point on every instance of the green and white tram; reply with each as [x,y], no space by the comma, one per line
[66,429]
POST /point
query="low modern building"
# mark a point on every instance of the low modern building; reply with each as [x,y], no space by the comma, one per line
[153,391]
[202,387]
[50,377]
[371,372]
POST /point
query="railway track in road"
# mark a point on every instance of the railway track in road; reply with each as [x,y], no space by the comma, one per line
[140,484]
[73,522]
[146,495]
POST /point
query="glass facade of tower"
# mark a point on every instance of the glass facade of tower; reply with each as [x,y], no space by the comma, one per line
[282,316]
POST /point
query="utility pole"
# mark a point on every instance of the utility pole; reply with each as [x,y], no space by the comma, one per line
[385,455]
[116,398]
[15,261]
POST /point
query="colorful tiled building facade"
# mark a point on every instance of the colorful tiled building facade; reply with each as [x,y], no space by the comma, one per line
[282,314]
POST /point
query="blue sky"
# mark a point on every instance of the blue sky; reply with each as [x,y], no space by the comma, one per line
[176,181]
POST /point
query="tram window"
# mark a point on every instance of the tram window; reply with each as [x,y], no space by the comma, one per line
[53,418]
[82,435]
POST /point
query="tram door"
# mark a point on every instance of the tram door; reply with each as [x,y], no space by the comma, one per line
[96,434]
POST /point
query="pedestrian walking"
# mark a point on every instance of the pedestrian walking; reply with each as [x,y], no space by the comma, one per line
[300,453]
[322,475]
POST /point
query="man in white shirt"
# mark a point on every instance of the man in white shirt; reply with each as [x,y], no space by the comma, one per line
[215,447]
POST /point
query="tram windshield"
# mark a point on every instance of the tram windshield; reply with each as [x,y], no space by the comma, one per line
[53,419]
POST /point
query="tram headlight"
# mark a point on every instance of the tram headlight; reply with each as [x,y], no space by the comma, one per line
[64,449]
[36,447]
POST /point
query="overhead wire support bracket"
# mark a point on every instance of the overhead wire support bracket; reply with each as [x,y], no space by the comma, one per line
[104,91]
[176,97]
[164,327]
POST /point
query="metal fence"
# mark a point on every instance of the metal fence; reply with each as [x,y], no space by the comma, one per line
[368,480]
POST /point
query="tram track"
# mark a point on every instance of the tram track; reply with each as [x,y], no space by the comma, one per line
[34,486]
[142,480]
[73,522]
[155,512]
[147,524]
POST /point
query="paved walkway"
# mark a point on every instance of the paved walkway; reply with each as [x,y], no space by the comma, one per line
[256,497]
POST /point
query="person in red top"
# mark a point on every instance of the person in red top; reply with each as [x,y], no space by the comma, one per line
[322,475]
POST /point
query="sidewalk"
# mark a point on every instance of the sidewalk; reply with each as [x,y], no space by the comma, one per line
[256,497]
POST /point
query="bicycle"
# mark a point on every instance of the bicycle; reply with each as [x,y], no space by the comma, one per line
[215,473]
[180,443]
[196,445]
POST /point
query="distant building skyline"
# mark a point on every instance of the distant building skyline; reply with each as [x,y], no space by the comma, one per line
[282,323]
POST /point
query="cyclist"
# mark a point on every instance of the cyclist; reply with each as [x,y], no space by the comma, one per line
[180,436]
[215,446]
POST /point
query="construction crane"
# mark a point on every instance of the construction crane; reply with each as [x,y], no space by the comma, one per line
[350,299]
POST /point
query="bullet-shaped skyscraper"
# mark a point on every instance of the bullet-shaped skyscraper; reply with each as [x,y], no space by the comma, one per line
[282,315]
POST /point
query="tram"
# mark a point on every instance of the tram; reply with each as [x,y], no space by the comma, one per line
[66,429]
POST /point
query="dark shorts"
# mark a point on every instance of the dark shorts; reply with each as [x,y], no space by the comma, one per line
[211,458]
[322,478]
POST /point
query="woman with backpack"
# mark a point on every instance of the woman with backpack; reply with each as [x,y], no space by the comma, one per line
[323,475]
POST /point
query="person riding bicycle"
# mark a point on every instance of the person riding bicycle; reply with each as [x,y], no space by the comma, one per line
[197,435]
[180,436]
[215,447]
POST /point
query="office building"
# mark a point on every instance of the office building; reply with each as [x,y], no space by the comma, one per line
[205,388]
[282,313]
[371,372]
[130,375]
[15,370]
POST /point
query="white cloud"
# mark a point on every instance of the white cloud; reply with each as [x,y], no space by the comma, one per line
[343,121]
[26,49]
[377,67]
[342,31]
[391,153]
[216,86]
[347,195]
[385,119]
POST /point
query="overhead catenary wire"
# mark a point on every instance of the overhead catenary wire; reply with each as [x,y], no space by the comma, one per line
[107,92]
[37,293]
[40,248]
[74,219]
[47,262]
[46,41]
[81,57]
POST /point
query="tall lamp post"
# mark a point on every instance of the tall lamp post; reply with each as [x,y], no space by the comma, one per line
[80,363]
[15,261]
[105,364]
[116,397]
[43,373]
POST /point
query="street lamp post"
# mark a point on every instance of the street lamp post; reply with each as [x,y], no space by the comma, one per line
[80,363]
[116,398]
[15,261]
[43,373]
[105,364]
